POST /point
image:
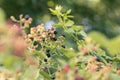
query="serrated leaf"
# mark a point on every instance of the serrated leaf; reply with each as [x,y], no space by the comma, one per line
[53,11]
[41,55]
[77,28]
[68,11]
[61,61]
[29,71]
[69,23]
[70,16]
[83,33]
[70,30]
[100,57]
[56,25]
[116,59]
[69,53]
[45,75]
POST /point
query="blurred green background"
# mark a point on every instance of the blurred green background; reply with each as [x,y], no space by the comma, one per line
[97,16]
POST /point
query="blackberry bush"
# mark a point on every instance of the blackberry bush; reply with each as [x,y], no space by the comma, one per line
[48,56]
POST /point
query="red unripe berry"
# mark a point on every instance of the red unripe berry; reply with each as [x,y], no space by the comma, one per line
[66,68]
[79,78]
[84,50]
[30,20]
[118,72]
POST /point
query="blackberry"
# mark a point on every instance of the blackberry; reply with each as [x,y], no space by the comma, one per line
[53,38]
[47,50]
[27,17]
[48,55]
[98,59]
[63,46]
[43,39]
[35,43]
[45,60]
[63,35]
[55,32]
[53,77]
[32,38]
[49,33]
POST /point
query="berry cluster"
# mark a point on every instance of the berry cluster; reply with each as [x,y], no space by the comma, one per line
[45,42]
[39,37]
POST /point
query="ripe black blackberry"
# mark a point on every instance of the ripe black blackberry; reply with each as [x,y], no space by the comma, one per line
[63,35]
[49,33]
[63,46]
[35,43]
[53,77]
[43,39]
[48,55]
[98,59]
[55,32]
[47,50]
[32,38]
[45,60]
[53,38]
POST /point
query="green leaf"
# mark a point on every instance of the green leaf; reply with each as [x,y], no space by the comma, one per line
[68,11]
[29,71]
[69,23]
[70,30]
[40,54]
[83,33]
[69,53]
[54,12]
[100,57]
[70,16]
[116,59]
[77,28]
[60,24]
[45,75]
